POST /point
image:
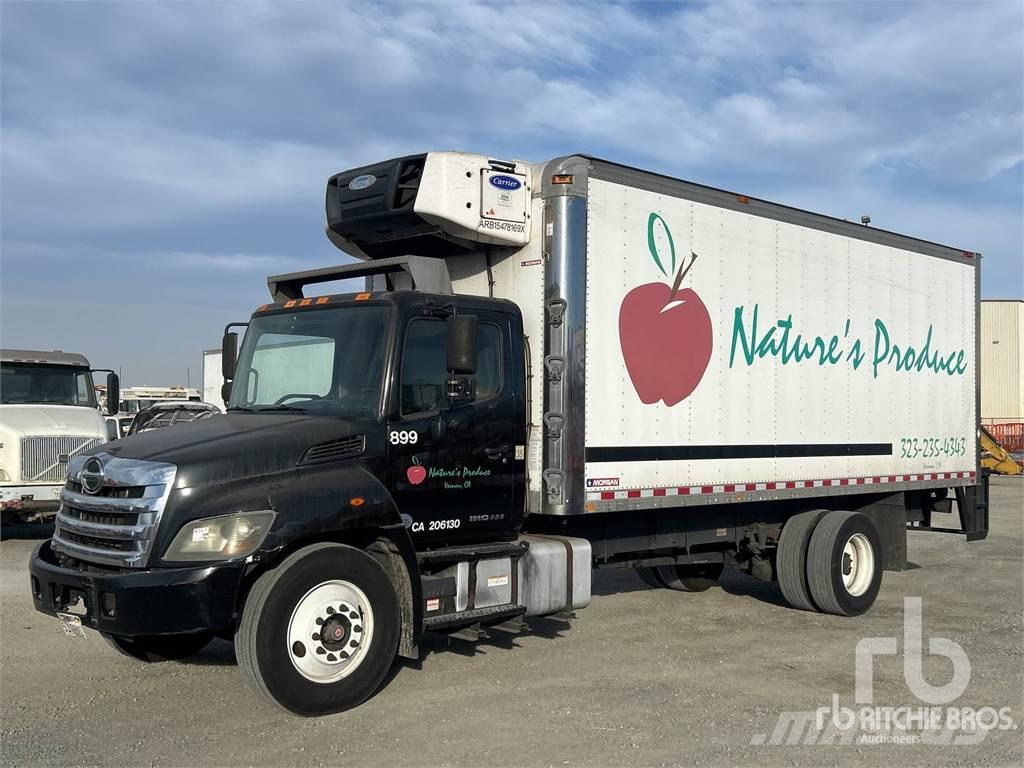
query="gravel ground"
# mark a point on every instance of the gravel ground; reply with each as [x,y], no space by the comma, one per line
[643,677]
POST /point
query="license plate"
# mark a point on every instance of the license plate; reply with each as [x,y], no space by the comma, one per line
[71,624]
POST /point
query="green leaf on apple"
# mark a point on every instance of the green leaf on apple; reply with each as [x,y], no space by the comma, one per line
[652,244]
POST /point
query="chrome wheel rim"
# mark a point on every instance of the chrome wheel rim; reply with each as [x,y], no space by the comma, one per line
[330,631]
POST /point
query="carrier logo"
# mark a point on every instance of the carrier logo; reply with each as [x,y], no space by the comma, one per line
[92,476]
[362,182]
[506,182]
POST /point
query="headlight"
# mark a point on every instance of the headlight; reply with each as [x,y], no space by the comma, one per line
[221,538]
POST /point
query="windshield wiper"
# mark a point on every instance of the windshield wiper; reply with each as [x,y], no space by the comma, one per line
[267,408]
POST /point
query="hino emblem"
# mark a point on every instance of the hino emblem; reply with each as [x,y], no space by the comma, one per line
[92,476]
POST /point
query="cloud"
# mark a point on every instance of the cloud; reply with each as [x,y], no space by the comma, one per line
[145,133]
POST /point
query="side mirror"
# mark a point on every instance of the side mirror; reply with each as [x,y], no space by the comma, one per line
[112,431]
[462,331]
[228,354]
[225,392]
[113,394]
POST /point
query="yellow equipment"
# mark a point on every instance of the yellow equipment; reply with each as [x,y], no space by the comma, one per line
[995,457]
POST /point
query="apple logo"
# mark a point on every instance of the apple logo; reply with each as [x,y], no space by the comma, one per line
[416,473]
[665,332]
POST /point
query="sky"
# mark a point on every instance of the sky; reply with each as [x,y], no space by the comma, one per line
[159,160]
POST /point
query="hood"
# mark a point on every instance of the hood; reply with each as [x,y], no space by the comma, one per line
[28,419]
[227,447]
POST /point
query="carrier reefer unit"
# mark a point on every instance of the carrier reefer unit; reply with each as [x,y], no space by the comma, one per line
[552,367]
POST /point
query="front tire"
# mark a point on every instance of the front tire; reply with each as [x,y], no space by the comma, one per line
[159,647]
[319,632]
[844,564]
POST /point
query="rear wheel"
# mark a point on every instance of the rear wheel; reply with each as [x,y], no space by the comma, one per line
[791,558]
[159,647]
[844,564]
[649,577]
[690,578]
[319,632]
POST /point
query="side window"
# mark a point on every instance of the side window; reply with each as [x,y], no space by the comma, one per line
[488,363]
[84,395]
[424,375]
[423,366]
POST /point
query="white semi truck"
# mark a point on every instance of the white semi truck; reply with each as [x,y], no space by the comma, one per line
[48,415]
[553,367]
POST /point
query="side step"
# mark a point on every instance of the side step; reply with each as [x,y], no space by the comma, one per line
[493,615]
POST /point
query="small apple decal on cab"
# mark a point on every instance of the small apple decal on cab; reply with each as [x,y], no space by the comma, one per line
[416,473]
[665,332]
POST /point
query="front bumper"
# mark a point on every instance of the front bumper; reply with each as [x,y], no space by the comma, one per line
[37,500]
[165,601]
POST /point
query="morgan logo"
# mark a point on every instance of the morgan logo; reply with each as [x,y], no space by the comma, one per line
[665,332]
[506,182]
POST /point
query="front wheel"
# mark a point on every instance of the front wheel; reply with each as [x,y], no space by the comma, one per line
[159,647]
[319,632]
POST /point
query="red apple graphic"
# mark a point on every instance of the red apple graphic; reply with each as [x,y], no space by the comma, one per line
[416,473]
[665,332]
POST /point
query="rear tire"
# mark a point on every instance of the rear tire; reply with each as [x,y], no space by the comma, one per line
[648,577]
[690,578]
[791,558]
[332,590]
[159,647]
[844,564]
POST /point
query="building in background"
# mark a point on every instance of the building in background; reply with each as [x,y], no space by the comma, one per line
[1002,370]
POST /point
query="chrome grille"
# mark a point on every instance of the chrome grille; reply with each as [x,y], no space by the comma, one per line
[117,525]
[44,458]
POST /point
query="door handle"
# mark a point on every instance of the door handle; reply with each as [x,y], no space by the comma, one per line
[495,452]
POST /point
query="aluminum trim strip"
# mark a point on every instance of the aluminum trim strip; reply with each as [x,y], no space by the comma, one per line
[103,531]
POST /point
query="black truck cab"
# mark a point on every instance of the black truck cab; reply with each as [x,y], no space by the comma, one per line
[348,421]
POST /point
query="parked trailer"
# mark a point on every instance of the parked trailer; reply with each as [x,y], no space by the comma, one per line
[553,367]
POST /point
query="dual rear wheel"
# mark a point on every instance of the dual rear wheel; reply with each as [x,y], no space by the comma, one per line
[830,562]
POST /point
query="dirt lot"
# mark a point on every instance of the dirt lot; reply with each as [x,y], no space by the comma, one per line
[643,677]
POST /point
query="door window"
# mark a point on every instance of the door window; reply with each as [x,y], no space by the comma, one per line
[424,361]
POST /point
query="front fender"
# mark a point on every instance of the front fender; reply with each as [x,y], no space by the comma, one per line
[343,502]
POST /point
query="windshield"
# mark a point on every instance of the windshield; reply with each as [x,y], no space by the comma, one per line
[320,361]
[49,384]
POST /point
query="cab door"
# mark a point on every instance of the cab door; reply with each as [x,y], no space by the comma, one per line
[453,464]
